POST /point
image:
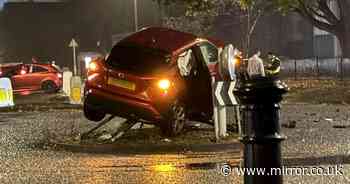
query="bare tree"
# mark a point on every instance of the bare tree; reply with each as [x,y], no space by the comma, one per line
[335,20]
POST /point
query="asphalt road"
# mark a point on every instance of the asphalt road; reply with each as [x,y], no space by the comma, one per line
[320,139]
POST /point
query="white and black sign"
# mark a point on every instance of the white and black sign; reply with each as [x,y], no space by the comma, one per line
[224,93]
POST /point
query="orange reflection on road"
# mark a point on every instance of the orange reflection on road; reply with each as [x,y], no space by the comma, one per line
[164,168]
[98,171]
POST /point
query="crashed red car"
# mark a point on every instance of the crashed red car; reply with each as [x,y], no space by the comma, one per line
[157,75]
[33,77]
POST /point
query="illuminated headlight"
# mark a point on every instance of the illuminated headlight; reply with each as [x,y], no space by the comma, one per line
[93,66]
[164,84]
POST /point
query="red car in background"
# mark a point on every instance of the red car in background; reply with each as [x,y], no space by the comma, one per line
[33,77]
[157,75]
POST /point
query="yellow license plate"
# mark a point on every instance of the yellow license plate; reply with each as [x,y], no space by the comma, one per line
[122,83]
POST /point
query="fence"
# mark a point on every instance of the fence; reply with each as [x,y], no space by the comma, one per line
[316,68]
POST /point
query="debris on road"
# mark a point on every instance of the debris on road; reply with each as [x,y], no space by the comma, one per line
[104,137]
[290,124]
[166,140]
[341,126]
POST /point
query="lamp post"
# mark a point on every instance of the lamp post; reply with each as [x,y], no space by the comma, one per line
[136,21]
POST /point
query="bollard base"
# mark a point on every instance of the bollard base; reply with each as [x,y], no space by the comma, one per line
[265,160]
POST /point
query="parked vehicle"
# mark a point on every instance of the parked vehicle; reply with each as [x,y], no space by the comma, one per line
[5,68]
[157,75]
[33,77]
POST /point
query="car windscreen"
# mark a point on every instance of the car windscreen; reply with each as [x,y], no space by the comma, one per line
[138,60]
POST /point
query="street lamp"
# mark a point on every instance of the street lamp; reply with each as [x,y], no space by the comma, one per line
[136,16]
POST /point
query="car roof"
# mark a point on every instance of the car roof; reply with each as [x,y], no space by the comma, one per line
[40,64]
[164,39]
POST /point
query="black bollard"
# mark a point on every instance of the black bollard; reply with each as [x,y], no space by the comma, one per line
[259,100]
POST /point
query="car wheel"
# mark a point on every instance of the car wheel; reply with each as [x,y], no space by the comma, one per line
[175,120]
[49,87]
[91,113]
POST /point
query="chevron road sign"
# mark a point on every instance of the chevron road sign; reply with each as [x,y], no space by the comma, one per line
[224,93]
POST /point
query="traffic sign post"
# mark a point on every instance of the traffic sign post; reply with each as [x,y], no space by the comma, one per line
[215,109]
[224,98]
[73,44]
[223,95]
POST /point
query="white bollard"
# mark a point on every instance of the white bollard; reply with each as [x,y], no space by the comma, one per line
[222,122]
[216,122]
[67,75]
[75,91]
[6,93]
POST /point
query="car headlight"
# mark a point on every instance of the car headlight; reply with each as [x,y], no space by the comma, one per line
[164,84]
[93,66]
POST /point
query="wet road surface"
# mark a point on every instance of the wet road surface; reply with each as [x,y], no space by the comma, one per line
[26,156]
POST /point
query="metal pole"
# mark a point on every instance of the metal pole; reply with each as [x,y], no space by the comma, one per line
[341,69]
[136,16]
[74,61]
[295,69]
[261,135]
[317,68]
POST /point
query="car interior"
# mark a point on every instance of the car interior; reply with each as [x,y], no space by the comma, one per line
[198,85]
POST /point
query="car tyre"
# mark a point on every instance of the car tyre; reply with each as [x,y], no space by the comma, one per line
[175,120]
[49,87]
[93,114]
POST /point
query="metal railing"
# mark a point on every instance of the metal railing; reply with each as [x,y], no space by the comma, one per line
[317,68]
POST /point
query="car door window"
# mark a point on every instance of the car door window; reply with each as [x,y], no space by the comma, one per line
[38,69]
[209,52]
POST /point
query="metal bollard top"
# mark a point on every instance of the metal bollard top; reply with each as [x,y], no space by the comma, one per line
[260,91]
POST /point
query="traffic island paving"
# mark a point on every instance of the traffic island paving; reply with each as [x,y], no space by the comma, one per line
[150,140]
